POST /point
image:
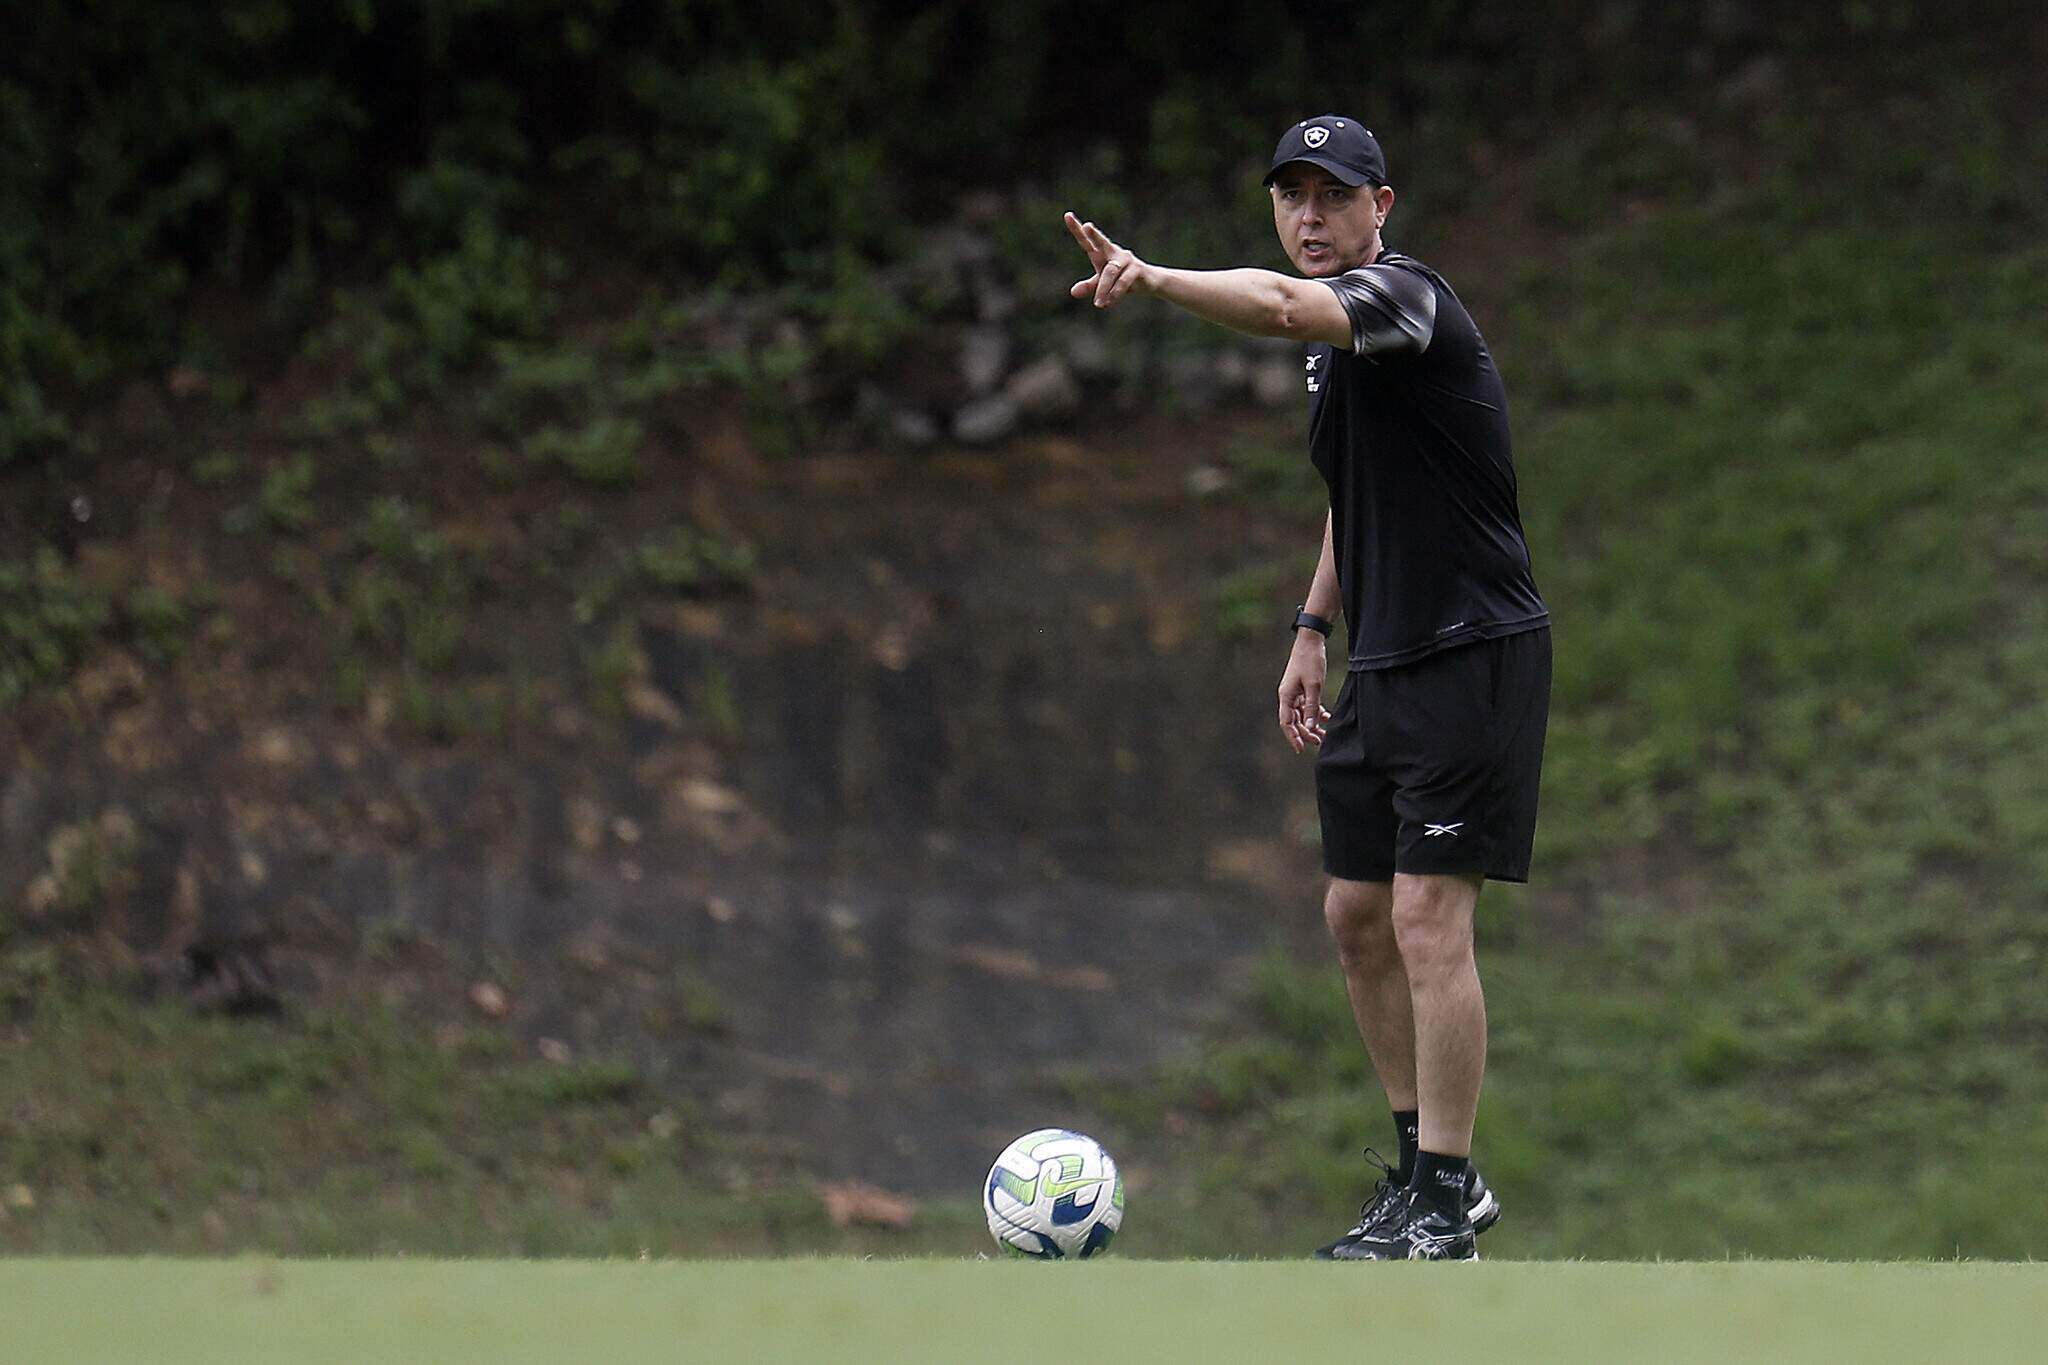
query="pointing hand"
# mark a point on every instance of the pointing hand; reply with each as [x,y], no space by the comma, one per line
[1116,271]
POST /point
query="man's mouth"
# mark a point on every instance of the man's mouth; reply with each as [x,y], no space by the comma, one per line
[1315,248]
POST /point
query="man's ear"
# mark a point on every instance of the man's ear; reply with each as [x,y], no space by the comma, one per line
[1384,198]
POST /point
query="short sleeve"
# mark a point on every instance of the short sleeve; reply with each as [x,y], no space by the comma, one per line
[1392,310]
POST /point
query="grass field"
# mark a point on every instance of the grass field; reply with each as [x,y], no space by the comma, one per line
[1776,992]
[845,1312]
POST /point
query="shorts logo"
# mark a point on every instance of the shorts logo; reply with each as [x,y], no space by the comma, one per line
[1432,831]
[1316,137]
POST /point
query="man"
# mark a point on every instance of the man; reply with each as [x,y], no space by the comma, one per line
[1426,772]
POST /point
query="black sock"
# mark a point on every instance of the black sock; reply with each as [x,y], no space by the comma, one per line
[1441,1180]
[1407,1131]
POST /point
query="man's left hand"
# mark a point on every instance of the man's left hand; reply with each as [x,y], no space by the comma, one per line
[1117,271]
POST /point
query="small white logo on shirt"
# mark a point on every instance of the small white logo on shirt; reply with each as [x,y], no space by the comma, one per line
[1315,384]
[1432,831]
[1316,137]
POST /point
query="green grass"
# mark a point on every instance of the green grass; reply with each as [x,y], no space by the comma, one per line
[1788,510]
[359,1130]
[846,1312]
[348,1130]
[1630,1112]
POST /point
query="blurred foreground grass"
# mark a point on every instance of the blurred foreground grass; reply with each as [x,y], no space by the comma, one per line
[222,1312]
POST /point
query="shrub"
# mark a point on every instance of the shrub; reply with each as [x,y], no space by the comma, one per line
[46,619]
[685,560]
[605,452]
[284,501]
[428,321]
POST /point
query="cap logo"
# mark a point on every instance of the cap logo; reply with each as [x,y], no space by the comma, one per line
[1316,137]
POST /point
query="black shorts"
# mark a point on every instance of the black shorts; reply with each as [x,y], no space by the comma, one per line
[1432,767]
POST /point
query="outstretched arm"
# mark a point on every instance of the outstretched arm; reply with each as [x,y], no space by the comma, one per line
[1260,303]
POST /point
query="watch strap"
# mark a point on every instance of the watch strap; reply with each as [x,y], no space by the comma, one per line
[1304,618]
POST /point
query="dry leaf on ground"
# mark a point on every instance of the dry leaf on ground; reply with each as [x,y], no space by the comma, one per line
[850,1202]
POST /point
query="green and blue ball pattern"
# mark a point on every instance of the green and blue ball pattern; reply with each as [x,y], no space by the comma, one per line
[1053,1194]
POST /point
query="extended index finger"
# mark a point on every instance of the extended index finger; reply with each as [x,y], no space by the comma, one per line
[1097,240]
[1080,231]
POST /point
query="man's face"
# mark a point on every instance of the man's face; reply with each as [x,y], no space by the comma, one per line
[1326,226]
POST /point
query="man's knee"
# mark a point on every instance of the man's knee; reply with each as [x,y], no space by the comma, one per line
[1431,921]
[1360,916]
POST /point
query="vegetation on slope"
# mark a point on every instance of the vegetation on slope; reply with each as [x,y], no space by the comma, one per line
[1781,423]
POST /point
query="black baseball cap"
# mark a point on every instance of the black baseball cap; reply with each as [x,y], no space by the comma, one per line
[1344,147]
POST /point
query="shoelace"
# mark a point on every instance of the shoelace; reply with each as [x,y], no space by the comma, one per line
[1379,1206]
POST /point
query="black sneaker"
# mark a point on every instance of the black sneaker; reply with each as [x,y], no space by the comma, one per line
[1385,1195]
[1414,1230]
[1481,1207]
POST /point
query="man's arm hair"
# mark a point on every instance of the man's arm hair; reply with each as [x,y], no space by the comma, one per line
[1378,311]
[1260,303]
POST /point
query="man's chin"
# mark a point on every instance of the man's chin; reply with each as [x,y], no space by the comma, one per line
[1323,268]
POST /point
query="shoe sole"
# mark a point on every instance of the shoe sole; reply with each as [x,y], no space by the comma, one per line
[1483,1214]
[1473,1257]
[1410,1257]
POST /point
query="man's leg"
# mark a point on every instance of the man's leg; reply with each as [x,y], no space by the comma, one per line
[1361,920]
[1432,927]
[1424,1024]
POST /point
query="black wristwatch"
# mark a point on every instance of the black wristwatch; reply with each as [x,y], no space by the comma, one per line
[1304,617]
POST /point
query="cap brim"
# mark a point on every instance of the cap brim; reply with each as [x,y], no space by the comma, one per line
[1343,173]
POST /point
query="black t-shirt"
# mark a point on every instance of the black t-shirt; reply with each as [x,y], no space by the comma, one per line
[1410,431]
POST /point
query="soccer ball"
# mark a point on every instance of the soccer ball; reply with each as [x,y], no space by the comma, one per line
[1053,1194]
